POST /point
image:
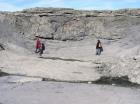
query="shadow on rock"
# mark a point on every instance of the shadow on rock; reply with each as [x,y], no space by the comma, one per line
[3,74]
[119,81]
[1,47]
[58,58]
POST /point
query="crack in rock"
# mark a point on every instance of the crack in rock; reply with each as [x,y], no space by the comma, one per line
[77,72]
[58,58]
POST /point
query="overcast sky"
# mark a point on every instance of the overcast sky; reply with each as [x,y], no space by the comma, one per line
[15,5]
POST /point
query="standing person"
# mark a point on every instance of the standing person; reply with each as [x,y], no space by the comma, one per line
[42,48]
[99,48]
[38,45]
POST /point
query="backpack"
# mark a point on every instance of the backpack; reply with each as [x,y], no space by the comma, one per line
[101,49]
[43,46]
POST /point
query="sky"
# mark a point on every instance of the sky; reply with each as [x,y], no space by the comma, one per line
[16,5]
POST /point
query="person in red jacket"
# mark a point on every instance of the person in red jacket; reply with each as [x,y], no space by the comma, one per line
[38,45]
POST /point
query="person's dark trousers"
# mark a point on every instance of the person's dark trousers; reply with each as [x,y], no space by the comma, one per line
[98,51]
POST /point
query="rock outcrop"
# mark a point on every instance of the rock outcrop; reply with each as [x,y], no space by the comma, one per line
[73,60]
[70,24]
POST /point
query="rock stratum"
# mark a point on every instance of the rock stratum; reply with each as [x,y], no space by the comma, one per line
[70,37]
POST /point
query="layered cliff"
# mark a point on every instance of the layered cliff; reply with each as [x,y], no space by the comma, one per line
[69,24]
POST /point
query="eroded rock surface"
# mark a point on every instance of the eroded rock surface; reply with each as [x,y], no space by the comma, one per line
[69,24]
[70,37]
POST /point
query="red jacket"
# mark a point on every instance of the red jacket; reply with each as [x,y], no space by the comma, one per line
[38,44]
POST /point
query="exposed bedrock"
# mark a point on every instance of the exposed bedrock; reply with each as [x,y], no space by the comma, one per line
[69,24]
[70,37]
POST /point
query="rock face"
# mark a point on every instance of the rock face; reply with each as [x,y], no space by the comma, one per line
[73,60]
[69,24]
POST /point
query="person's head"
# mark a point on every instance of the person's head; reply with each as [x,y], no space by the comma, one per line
[98,40]
[36,37]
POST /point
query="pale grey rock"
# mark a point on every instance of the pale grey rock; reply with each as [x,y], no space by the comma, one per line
[70,24]
[118,30]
